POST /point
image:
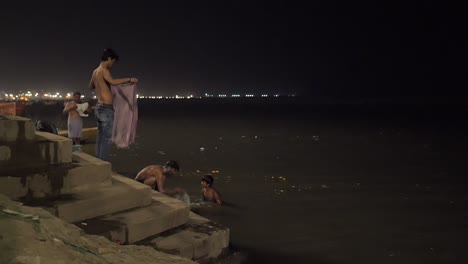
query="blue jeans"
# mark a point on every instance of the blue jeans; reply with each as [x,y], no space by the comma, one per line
[105,121]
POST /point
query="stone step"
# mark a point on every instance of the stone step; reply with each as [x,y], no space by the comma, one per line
[15,128]
[87,172]
[24,157]
[134,225]
[122,195]
[50,181]
[54,148]
[200,239]
[88,134]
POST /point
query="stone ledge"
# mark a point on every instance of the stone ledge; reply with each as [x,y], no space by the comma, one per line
[87,173]
[200,240]
[15,128]
[88,204]
[134,225]
[54,149]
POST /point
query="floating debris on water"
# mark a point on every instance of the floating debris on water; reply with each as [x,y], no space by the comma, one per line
[324,186]
[160,152]
[202,149]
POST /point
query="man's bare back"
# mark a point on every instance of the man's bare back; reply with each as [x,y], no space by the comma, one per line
[155,176]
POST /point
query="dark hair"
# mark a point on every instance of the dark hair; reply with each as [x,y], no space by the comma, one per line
[109,53]
[208,179]
[173,164]
[77,93]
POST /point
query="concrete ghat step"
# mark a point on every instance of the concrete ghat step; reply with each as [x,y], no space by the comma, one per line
[122,195]
[29,156]
[87,172]
[134,225]
[54,149]
[88,134]
[84,173]
[15,128]
[199,239]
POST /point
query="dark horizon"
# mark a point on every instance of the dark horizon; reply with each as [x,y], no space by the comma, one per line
[328,48]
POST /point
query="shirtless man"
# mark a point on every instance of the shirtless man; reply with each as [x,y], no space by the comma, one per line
[101,80]
[209,193]
[155,176]
[75,124]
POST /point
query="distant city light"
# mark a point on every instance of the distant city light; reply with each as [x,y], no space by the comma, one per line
[25,96]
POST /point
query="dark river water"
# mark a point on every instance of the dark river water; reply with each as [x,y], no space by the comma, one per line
[314,183]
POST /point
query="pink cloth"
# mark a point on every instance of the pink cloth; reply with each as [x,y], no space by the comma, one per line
[125,115]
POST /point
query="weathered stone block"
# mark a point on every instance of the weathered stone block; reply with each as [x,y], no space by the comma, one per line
[53,148]
[87,172]
[15,128]
[199,239]
[122,195]
[5,153]
[163,214]
[13,187]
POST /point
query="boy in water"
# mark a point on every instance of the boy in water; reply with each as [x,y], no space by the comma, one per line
[209,193]
[155,176]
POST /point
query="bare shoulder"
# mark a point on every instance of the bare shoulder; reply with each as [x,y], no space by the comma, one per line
[216,191]
[152,169]
[156,168]
[99,72]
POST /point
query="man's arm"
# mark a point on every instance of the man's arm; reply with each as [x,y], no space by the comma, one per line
[107,76]
[69,106]
[160,182]
[161,189]
[217,197]
[91,84]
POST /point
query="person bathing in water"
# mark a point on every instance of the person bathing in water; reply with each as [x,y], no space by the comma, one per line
[209,194]
[155,176]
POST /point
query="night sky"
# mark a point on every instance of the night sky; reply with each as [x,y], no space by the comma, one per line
[334,48]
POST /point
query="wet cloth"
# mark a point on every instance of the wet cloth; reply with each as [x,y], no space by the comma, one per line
[126,114]
[81,108]
[75,127]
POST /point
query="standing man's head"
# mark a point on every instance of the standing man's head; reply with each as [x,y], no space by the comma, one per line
[109,56]
[77,97]
[207,181]
[171,166]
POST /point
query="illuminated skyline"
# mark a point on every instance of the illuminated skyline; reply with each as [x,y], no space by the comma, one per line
[317,48]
